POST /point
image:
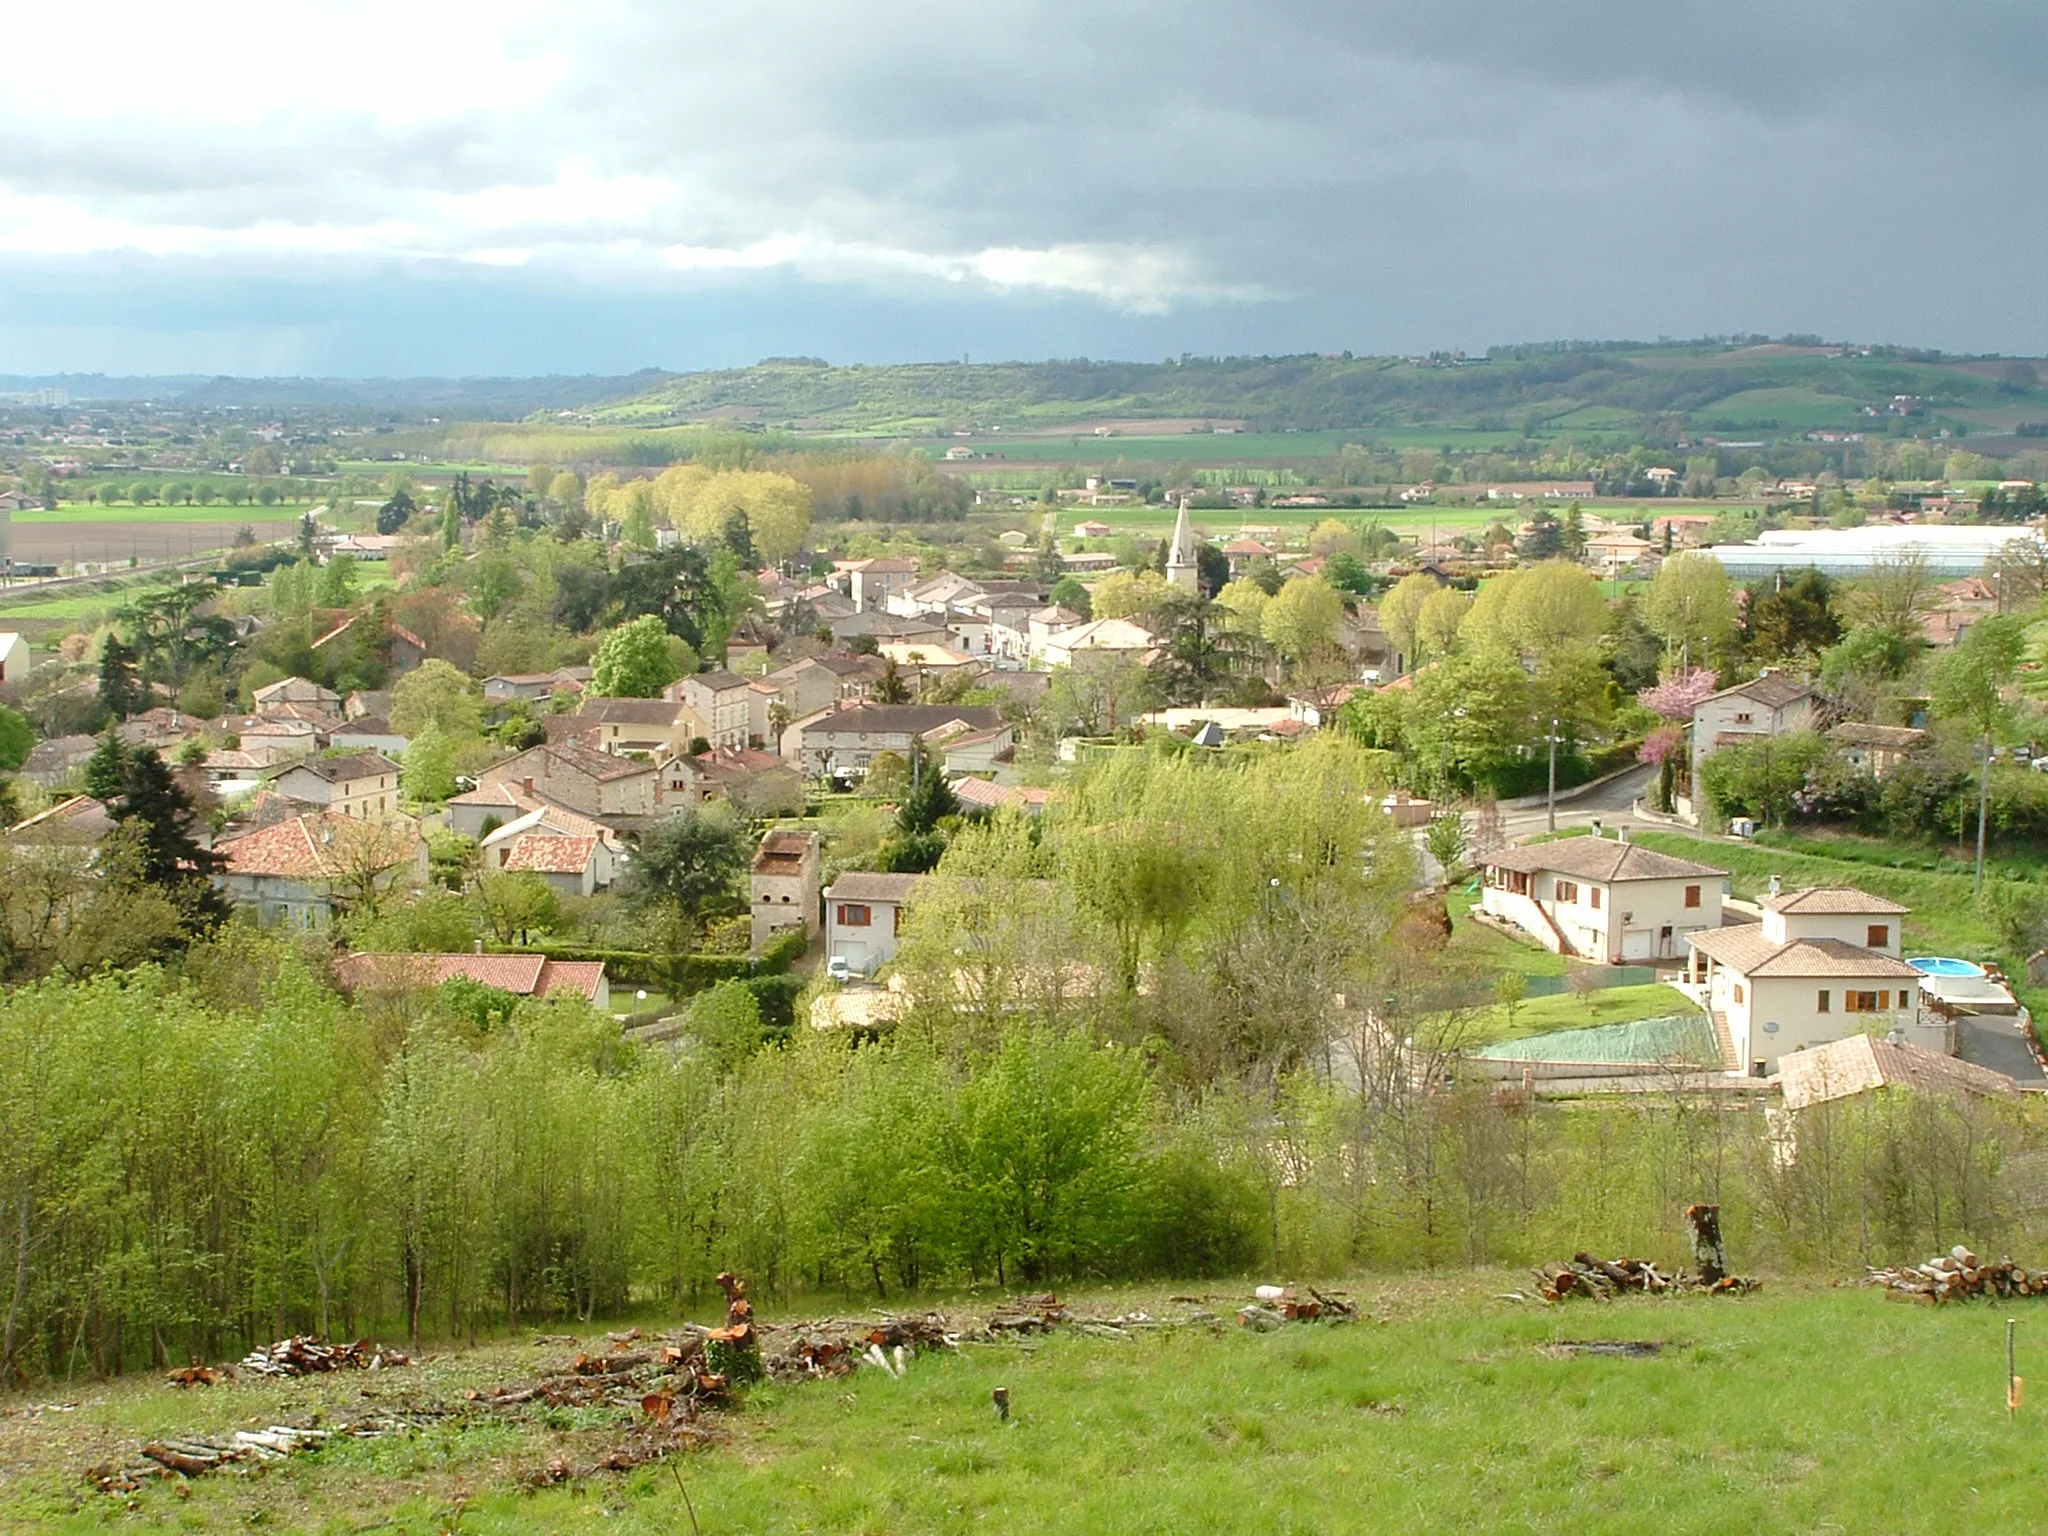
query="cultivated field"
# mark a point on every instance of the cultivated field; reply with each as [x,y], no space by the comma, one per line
[144,533]
[1445,1408]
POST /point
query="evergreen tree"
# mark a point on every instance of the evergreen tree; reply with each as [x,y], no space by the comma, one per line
[120,687]
[106,772]
[151,804]
[931,798]
[1545,538]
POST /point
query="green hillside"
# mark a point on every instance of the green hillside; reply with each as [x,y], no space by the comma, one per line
[1767,389]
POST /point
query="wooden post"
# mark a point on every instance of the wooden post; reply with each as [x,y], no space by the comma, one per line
[2014,1386]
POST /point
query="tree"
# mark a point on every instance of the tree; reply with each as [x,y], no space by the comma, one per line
[1691,603]
[1347,573]
[120,687]
[636,530]
[172,637]
[436,691]
[1129,595]
[1545,538]
[107,769]
[1069,593]
[1245,602]
[1968,686]
[1438,624]
[1401,612]
[17,740]
[890,687]
[396,512]
[516,905]
[930,800]
[566,490]
[687,863]
[1894,594]
[428,772]
[633,661]
[1304,616]
[1791,618]
[1444,837]
[159,814]
[1763,778]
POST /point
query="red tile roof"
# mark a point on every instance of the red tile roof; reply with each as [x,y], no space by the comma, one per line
[317,846]
[541,854]
[521,975]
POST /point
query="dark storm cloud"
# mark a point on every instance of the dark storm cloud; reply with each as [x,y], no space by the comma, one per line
[1372,175]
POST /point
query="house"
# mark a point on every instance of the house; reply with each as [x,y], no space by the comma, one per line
[533,976]
[1875,749]
[869,582]
[367,701]
[595,783]
[1317,709]
[879,626]
[723,772]
[720,701]
[1685,529]
[846,740]
[477,812]
[1242,552]
[368,733]
[80,821]
[864,918]
[783,885]
[574,866]
[1089,560]
[14,658]
[1123,637]
[1090,529]
[1619,550]
[531,687]
[494,848]
[399,645]
[295,690]
[1602,899]
[231,765]
[300,872]
[1769,705]
[51,763]
[821,682]
[1856,1064]
[938,595]
[285,738]
[1821,964]
[964,748]
[656,728]
[983,795]
[358,784]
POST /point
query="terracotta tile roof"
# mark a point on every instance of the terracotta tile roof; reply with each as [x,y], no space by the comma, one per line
[1745,949]
[1844,1068]
[542,854]
[1600,858]
[317,846]
[521,975]
[1833,901]
[781,853]
[581,976]
[1855,733]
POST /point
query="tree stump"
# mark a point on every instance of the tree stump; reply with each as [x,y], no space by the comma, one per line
[1709,1253]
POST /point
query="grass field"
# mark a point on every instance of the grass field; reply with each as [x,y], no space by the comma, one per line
[93,512]
[1797,1410]
[1609,1005]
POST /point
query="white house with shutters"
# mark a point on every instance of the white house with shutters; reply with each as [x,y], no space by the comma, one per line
[864,918]
[1823,964]
[1601,899]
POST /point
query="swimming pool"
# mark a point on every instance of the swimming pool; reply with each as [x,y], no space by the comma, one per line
[1937,965]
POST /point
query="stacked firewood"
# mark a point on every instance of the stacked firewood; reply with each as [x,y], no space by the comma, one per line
[1959,1275]
[196,1455]
[304,1355]
[1279,1304]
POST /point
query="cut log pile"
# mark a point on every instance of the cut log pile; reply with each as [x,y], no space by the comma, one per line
[196,1455]
[303,1355]
[1278,1305]
[1959,1275]
[1604,1279]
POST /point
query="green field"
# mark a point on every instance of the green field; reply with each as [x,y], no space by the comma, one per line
[1565,1010]
[93,512]
[1797,1410]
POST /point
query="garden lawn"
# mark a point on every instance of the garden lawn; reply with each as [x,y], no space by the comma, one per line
[1796,1410]
[1609,1005]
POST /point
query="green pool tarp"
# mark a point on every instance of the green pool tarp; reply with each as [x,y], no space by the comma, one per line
[1685,1037]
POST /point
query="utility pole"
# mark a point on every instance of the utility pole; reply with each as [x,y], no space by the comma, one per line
[1550,797]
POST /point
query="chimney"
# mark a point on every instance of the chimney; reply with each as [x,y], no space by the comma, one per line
[1777,885]
[479,946]
[527,785]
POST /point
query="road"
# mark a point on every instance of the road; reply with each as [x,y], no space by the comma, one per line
[1611,803]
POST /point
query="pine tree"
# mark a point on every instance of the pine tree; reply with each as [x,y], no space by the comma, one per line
[160,813]
[120,688]
[106,772]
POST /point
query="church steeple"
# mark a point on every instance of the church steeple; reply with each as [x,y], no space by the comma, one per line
[1181,567]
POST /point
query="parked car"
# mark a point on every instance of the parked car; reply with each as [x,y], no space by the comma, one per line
[839,969]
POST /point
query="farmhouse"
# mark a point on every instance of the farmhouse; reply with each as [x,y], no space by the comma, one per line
[1822,964]
[1767,706]
[1601,900]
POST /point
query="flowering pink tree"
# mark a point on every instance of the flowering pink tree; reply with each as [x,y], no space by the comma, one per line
[1667,741]
[1675,697]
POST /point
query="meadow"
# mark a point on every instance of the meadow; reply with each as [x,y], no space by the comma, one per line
[1801,1408]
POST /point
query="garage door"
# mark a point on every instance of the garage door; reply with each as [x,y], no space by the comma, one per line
[1638,944]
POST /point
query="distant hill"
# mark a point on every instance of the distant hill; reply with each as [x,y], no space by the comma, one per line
[502,399]
[1767,389]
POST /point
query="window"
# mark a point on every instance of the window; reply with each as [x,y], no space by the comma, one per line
[1738,991]
[1859,1002]
[1567,891]
[1744,718]
[1905,997]
[1878,935]
[1821,1005]
[854,916]
[1593,896]
[1692,895]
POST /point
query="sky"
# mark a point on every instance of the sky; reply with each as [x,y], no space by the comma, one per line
[402,187]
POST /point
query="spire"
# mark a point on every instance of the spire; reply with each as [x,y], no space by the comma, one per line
[1181,569]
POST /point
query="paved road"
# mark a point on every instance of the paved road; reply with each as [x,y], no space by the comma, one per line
[1611,803]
